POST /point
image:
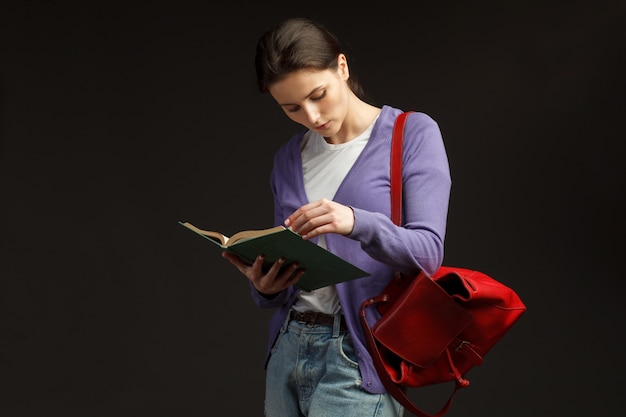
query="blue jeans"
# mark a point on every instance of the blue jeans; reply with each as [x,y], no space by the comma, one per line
[313,372]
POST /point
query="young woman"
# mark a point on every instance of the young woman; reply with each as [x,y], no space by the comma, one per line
[330,183]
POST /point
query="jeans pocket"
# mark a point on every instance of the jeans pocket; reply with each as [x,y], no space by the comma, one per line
[346,349]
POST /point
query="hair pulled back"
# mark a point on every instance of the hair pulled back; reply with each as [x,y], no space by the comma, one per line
[296,44]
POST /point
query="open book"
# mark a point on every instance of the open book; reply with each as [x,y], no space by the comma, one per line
[323,268]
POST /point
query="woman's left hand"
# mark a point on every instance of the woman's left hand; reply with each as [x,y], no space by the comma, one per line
[320,217]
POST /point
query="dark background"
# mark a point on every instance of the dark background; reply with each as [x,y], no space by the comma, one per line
[119,119]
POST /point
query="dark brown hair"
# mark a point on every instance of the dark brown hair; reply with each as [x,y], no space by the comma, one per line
[295,44]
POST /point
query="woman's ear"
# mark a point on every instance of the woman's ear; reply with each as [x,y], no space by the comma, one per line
[342,67]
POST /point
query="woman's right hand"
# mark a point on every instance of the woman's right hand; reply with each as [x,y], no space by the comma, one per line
[275,280]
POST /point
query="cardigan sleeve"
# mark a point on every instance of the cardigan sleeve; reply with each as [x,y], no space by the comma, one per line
[418,244]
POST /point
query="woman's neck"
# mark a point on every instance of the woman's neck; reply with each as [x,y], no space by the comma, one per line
[359,117]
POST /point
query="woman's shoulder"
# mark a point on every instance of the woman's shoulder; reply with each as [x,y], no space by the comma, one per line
[416,120]
[388,115]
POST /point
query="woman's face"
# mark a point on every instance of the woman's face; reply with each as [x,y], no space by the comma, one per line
[318,100]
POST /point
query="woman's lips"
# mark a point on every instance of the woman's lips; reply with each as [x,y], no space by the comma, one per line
[322,127]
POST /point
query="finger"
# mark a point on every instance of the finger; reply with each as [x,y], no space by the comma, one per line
[275,268]
[282,275]
[293,275]
[257,265]
[302,214]
[309,219]
[235,260]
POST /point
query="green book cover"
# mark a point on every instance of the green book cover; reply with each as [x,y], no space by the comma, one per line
[323,268]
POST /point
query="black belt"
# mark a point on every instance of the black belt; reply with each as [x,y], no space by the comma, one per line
[315,317]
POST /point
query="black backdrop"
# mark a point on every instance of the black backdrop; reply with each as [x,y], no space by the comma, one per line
[119,119]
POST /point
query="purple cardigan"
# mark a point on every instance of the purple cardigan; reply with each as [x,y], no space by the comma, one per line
[375,245]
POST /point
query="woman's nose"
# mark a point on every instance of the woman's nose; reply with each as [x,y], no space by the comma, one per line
[312,114]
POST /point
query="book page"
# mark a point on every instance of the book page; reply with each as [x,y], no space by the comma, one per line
[214,235]
[249,234]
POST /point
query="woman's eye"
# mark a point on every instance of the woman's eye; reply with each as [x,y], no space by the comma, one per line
[319,96]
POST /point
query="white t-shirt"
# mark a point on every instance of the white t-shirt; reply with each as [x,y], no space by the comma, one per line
[324,167]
